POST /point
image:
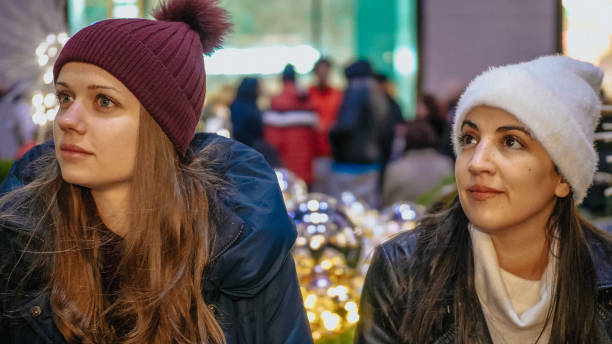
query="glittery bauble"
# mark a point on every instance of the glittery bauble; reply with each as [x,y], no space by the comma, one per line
[402,216]
[327,253]
[321,224]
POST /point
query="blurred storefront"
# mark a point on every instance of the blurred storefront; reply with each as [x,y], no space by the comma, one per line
[587,35]
[269,34]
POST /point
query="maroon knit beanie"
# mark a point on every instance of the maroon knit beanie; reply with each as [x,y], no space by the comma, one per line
[160,61]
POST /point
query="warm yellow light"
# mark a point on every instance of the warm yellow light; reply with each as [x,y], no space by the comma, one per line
[351,306]
[326,264]
[313,205]
[352,317]
[316,241]
[311,316]
[301,241]
[310,301]
[341,290]
[224,133]
[331,321]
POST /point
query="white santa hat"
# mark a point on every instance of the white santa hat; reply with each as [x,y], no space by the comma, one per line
[557,98]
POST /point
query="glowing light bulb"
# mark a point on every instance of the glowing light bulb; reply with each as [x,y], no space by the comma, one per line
[52,52]
[62,38]
[351,306]
[331,321]
[37,100]
[313,205]
[317,241]
[51,38]
[43,59]
[310,301]
[49,100]
[352,317]
[48,77]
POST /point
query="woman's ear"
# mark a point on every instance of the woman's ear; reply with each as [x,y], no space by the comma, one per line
[563,188]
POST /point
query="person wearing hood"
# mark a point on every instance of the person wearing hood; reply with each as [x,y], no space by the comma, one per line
[127,227]
[247,122]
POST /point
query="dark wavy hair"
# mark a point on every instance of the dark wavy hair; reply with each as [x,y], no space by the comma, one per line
[441,272]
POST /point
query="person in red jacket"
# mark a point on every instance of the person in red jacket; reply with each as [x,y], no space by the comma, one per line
[326,101]
[289,126]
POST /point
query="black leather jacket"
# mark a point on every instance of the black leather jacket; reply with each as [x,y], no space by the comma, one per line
[379,323]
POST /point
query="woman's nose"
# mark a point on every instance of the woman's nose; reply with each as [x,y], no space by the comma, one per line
[71,119]
[482,158]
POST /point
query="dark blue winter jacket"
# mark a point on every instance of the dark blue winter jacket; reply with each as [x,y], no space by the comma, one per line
[250,284]
[247,125]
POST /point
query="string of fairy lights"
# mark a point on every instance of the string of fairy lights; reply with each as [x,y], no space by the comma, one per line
[44,100]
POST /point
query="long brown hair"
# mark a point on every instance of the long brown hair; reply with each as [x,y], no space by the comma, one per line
[163,256]
[441,273]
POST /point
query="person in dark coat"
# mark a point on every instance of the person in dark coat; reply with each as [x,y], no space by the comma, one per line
[394,118]
[361,138]
[128,227]
[247,122]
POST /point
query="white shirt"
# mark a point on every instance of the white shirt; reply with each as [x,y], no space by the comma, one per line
[515,309]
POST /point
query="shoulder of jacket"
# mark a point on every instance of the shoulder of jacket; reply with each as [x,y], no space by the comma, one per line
[399,247]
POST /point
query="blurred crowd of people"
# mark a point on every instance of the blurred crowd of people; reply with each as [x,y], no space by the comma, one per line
[356,139]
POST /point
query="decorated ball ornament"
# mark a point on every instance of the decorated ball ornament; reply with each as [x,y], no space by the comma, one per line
[402,216]
[355,208]
[293,188]
[322,224]
[327,253]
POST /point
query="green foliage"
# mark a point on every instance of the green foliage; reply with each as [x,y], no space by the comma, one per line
[5,167]
[344,338]
[438,193]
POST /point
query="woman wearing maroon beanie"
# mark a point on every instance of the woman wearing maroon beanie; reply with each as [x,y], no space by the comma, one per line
[128,228]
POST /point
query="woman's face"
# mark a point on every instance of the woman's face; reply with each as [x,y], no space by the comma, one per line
[96,128]
[505,178]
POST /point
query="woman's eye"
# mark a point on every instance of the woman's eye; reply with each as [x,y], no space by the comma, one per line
[512,142]
[104,101]
[466,139]
[63,98]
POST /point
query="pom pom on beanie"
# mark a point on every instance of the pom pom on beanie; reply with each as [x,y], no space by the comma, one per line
[206,18]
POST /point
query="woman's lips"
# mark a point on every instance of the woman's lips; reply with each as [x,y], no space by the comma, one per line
[73,151]
[483,193]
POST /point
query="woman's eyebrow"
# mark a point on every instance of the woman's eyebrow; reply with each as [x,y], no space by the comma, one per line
[469,124]
[513,127]
[95,87]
